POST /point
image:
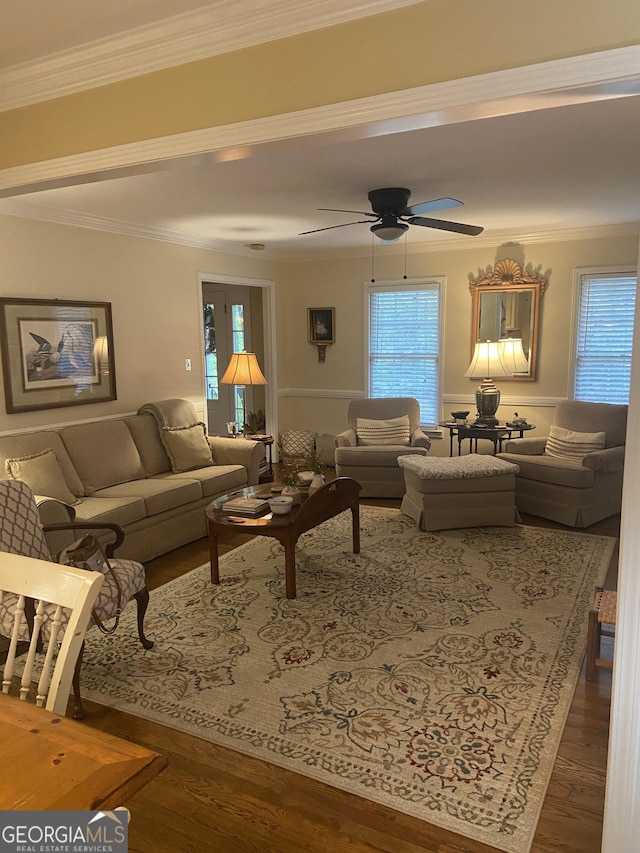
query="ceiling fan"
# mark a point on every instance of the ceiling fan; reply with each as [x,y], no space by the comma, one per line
[391,216]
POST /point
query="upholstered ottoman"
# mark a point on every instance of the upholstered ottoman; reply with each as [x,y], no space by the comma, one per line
[463,491]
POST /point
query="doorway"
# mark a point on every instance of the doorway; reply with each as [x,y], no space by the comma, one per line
[232,322]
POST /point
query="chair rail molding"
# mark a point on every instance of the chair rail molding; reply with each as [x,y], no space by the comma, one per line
[512,400]
[319,392]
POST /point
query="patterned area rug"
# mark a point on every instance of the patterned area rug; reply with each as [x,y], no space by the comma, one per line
[431,673]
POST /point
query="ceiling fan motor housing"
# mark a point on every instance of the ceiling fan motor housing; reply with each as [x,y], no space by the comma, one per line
[389,200]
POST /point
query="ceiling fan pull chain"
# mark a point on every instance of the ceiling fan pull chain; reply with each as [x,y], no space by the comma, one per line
[373,252]
[405,256]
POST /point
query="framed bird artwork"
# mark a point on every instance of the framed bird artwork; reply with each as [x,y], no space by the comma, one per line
[56,353]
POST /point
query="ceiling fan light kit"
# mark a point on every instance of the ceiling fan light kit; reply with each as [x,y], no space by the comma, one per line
[389,229]
[391,216]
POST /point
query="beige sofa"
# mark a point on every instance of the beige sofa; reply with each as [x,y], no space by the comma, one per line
[136,471]
[568,480]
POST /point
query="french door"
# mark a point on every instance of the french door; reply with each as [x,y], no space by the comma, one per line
[227,329]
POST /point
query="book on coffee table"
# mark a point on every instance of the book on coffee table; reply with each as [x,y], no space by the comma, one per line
[246,506]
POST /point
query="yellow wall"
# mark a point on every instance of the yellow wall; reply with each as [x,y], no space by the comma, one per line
[425,43]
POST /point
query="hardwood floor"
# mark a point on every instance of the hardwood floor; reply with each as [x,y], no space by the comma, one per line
[211,798]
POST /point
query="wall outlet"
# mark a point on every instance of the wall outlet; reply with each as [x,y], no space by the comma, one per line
[187,364]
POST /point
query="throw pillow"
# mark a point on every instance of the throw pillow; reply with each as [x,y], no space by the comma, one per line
[572,446]
[392,431]
[297,442]
[43,474]
[187,447]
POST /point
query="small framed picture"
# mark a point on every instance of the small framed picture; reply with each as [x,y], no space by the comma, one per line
[56,353]
[321,325]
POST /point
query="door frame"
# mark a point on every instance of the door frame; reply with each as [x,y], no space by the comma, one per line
[269,368]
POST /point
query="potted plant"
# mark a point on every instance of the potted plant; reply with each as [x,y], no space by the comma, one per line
[317,466]
[290,482]
[255,423]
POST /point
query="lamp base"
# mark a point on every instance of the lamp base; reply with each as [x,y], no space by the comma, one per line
[487,402]
[486,422]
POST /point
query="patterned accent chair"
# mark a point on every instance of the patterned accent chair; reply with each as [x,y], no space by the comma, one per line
[375,464]
[22,532]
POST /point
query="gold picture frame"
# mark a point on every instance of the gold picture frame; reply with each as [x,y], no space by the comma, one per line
[56,353]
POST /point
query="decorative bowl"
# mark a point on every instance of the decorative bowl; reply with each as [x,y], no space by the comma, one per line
[281,504]
[459,416]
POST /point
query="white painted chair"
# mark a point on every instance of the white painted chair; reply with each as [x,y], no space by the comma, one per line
[54,603]
[22,532]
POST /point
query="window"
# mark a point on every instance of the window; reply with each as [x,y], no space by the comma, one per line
[237,331]
[210,355]
[605,304]
[404,343]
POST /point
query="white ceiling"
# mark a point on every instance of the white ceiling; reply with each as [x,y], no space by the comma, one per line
[526,176]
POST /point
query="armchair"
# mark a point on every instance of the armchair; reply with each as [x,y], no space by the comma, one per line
[380,430]
[576,486]
[22,532]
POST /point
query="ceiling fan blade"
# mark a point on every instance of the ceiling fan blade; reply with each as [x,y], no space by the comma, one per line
[429,206]
[443,225]
[330,227]
[340,210]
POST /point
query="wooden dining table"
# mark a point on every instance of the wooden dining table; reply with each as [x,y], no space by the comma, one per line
[56,763]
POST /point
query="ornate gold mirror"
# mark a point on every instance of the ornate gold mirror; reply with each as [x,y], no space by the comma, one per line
[506,307]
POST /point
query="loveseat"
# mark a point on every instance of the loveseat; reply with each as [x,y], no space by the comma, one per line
[152,473]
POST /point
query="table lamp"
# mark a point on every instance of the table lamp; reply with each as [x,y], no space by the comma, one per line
[487,362]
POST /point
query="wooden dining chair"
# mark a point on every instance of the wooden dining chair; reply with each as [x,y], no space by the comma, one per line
[52,604]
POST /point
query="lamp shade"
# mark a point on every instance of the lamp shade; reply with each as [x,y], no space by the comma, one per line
[513,356]
[487,361]
[243,369]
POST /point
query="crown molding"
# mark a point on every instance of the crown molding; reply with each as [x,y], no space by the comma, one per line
[218,28]
[561,82]
[489,239]
[320,393]
[23,208]
[606,74]
[28,210]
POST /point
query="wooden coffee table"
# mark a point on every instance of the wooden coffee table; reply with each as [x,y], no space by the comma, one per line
[333,498]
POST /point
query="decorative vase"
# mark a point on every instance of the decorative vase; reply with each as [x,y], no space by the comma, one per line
[292,492]
[316,483]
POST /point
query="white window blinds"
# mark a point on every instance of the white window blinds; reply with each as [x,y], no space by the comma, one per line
[604,337]
[404,345]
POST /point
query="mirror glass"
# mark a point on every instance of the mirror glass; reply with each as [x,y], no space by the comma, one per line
[506,304]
